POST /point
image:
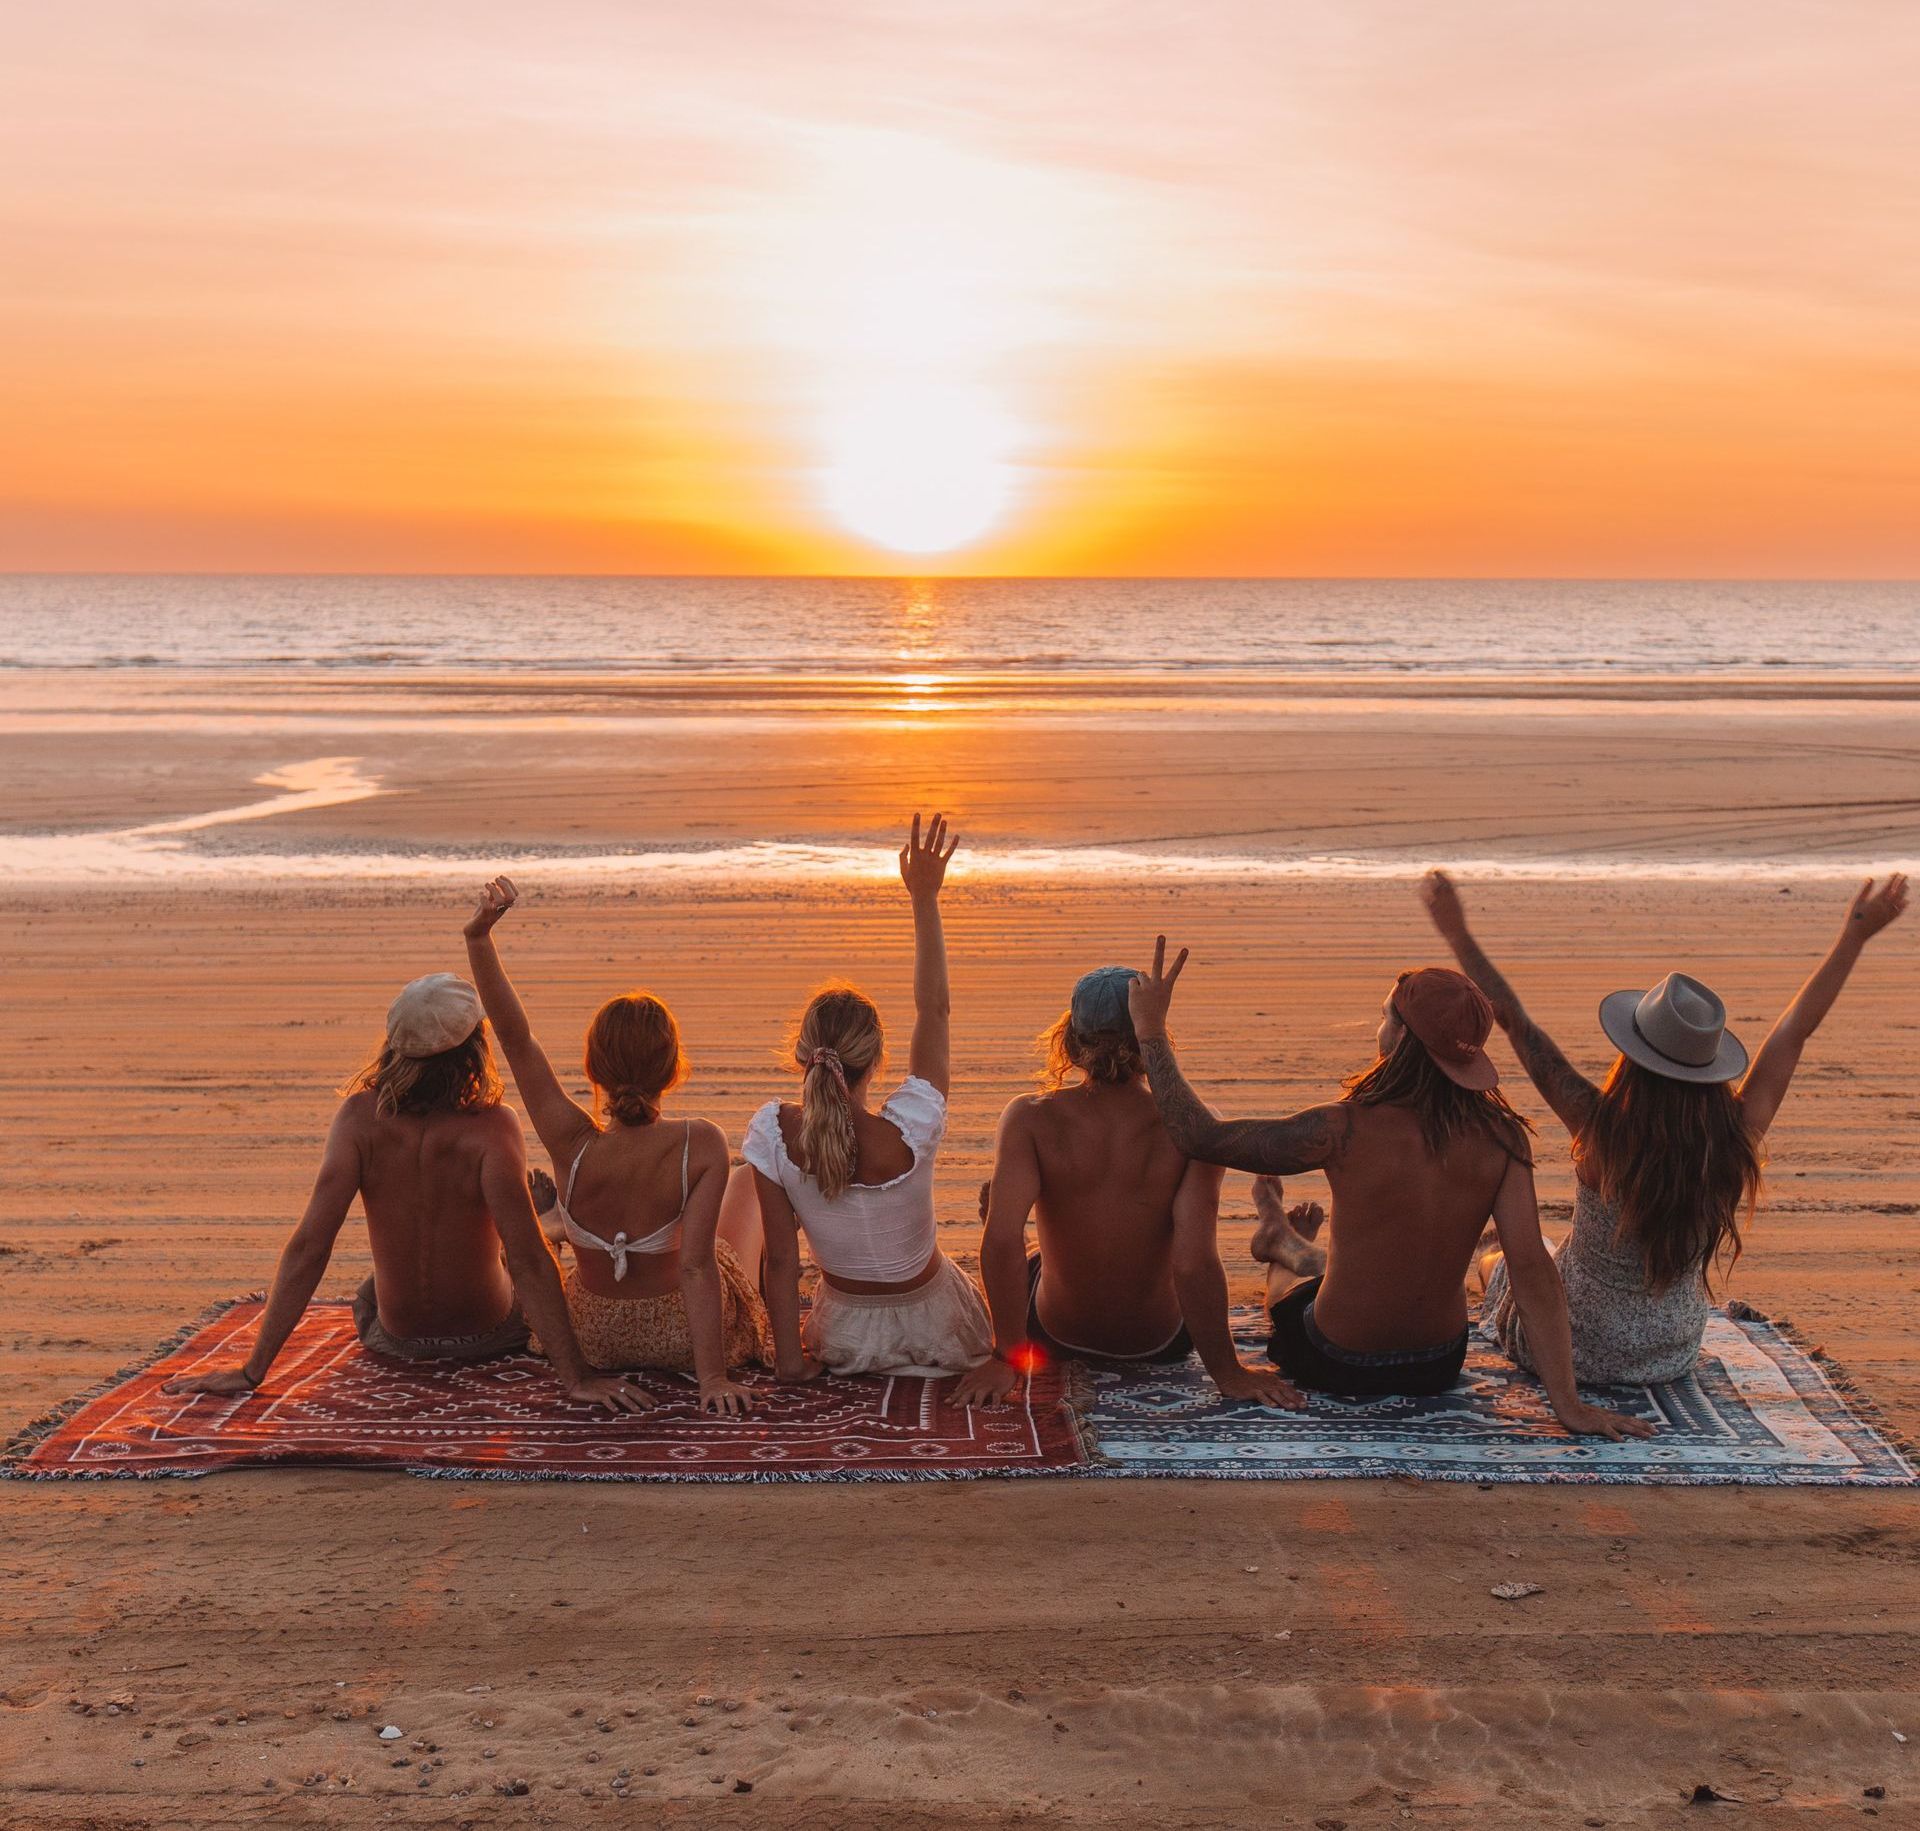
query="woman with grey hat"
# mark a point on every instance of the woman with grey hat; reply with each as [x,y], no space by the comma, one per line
[1667,1152]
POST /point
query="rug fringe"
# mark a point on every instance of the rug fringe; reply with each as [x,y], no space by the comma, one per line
[35,1431]
[1077,1401]
[1859,1401]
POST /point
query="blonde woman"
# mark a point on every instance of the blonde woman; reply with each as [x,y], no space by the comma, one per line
[654,1282]
[858,1180]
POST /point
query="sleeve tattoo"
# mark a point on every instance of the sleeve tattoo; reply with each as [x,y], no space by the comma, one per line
[1561,1085]
[1264,1147]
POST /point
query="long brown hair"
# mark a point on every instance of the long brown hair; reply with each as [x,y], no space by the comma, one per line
[844,1023]
[1678,1163]
[457,1080]
[633,1056]
[1110,1057]
[1408,1076]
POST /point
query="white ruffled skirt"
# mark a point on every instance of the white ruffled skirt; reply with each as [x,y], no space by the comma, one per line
[941,1327]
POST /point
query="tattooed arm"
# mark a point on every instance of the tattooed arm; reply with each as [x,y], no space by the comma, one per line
[1571,1095]
[1265,1147]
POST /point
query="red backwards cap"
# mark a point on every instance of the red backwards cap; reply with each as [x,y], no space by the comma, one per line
[1452,1018]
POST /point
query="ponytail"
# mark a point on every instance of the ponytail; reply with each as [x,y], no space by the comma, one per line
[839,1040]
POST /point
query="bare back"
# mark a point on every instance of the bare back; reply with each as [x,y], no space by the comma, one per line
[630,1181]
[1108,1176]
[1403,1231]
[436,1252]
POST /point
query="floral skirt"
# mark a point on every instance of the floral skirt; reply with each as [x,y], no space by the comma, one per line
[626,1332]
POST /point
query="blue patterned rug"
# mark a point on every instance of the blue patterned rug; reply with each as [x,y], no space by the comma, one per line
[1756,1411]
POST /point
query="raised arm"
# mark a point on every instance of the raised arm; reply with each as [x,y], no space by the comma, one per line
[536,1279]
[304,1258]
[700,1274]
[923,869]
[1564,1088]
[1542,1298]
[1003,1259]
[560,1120]
[1200,1282]
[1772,1071]
[1267,1147]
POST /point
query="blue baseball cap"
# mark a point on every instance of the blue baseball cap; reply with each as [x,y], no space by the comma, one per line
[1100,1000]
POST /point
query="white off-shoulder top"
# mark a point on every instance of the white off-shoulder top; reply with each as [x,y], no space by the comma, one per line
[883,1232]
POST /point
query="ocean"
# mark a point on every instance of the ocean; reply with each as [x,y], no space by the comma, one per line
[247,730]
[814,627]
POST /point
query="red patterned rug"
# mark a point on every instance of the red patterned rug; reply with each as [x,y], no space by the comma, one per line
[330,1404]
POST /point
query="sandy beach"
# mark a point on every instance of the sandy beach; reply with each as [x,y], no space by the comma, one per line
[1173,1654]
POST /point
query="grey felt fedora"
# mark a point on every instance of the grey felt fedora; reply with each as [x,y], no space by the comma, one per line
[1679,1029]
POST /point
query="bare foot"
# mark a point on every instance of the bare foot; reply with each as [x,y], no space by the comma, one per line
[1283,1236]
[540,1187]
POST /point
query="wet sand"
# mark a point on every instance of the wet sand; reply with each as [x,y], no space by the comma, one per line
[1171,1654]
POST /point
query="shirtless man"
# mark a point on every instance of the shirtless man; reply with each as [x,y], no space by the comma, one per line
[440,1168]
[1128,1269]
[1420,1151]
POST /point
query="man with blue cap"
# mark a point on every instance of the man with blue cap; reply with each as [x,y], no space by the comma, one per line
[1128,1270]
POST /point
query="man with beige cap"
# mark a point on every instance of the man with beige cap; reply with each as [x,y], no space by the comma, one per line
[459,1265]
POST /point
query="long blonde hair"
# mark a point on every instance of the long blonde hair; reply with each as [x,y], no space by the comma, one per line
[839,1040]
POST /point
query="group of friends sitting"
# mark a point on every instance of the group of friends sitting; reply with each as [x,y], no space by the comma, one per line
[680,1259]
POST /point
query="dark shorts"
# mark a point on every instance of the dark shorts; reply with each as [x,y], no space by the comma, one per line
[1306,1357]
[506,1337]
[1176,1349]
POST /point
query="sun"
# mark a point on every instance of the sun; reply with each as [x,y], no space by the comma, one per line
[919,467]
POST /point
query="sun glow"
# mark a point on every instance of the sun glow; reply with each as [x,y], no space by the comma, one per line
[916,289]
[920,469]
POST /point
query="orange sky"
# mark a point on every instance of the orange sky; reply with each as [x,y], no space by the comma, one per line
[1329,286]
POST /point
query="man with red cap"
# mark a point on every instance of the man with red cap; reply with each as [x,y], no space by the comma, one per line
[1420,1150]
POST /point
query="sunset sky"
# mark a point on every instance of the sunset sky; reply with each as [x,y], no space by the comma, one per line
[1260,287]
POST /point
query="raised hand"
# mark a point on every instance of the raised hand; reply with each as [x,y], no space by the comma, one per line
[1873,909]
[495,900]
[923,862]
[1444,907]
[1150,994]
[215,1379]
[616,1391]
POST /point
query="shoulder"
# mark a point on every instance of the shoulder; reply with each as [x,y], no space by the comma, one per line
[707,1142]
[917,1107]
[763,1146]
[356,1112]
[497,1124]
[1023,1113]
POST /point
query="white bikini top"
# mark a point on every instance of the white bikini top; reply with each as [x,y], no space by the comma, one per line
[663,1239]
[880,1231]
